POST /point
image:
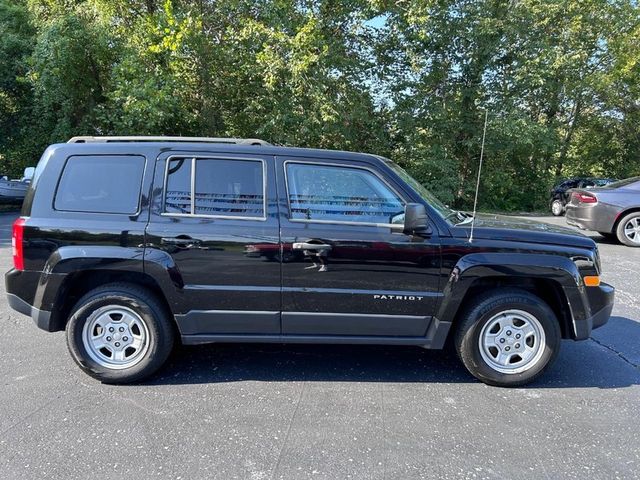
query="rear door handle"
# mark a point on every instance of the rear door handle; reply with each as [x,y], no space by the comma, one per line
[181,241]
[311,246]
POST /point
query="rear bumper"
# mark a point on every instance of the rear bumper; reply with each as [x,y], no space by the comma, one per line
[598,218]
[41,317]
[28,293]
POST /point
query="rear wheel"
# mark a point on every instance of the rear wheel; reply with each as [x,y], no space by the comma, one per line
[508,338]
[557,208]
[119,333]
[628,231]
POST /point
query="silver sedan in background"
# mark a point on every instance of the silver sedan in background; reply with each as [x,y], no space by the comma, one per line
[613,211]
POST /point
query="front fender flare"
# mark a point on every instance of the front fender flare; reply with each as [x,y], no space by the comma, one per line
[477,266]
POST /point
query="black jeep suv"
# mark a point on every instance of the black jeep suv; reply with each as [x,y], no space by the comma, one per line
[131,244]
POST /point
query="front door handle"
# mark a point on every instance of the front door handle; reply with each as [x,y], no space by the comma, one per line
[181,241]
[322,247]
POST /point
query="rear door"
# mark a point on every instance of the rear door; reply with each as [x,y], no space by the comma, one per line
[347,271]
[214,224]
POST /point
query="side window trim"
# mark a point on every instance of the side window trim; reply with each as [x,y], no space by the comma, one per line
[337,222]
[194,159]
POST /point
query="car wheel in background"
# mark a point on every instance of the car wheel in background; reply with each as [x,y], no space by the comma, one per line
[557,208]
[628,231]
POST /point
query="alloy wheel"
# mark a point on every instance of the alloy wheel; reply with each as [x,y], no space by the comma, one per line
[115,337]
[512,341]
[632,229]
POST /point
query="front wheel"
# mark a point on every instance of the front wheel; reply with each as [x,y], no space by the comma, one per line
[119,333]
[508,338]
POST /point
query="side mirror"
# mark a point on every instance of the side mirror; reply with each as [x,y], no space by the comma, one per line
[415,219]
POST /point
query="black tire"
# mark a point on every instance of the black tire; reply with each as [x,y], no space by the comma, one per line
[609,235]
[620,229]
[557,208]
[158,329]
[484,310]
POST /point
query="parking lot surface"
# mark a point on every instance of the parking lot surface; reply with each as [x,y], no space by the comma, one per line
[329,412]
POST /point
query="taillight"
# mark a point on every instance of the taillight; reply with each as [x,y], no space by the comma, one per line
[17,237]
[585,197]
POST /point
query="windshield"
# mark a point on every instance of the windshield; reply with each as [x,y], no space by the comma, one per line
[452,216]
[625,182]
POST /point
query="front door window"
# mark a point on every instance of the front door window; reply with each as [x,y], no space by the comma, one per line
[328,193]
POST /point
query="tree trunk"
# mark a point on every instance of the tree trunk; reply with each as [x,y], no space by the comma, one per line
[566,142]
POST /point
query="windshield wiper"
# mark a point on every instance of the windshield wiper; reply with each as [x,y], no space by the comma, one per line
[468,219]
[453,214]
[462,217]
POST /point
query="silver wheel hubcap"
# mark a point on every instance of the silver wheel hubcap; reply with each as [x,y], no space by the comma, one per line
[115,337]
[556,207]
[512,341]
[632,230]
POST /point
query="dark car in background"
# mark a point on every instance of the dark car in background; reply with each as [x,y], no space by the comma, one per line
[560,193]
[613,211]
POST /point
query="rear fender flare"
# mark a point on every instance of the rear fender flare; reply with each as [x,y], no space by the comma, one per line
[73,259]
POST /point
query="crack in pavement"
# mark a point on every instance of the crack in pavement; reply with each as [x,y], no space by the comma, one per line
[619,354]
[32,413]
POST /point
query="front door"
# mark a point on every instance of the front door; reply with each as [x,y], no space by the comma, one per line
[214,219]
[347,268]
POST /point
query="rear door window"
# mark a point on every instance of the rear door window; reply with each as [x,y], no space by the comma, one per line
[229,188]
[101,184]
[178,186]
[216,187]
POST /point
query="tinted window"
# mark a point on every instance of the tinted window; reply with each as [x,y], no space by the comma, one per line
[319,192]
[101,184]
[233,188]
[178,191]
[227,188]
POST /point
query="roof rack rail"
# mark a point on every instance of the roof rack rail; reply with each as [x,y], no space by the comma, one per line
[107,139]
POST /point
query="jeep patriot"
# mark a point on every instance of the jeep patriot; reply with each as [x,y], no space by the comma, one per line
[131,244]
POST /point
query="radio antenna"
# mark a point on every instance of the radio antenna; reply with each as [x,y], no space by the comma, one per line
[475,201]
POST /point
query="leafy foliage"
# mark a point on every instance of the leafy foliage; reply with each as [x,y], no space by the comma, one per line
[410,80]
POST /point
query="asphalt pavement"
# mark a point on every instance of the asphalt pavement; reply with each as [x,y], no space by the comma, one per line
[327,412]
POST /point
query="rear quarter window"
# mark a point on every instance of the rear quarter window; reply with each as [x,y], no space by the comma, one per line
[100,184]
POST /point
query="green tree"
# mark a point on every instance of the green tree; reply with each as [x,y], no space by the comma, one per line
[411,80]
[71,64]
[16,43]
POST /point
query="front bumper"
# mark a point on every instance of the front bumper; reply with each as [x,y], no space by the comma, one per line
[600,305]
